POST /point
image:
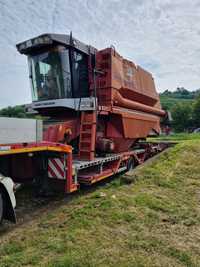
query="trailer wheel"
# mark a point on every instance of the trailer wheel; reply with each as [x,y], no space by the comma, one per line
[1,206]
[130,164]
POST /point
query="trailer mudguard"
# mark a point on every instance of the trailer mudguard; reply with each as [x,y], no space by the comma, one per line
[9,201]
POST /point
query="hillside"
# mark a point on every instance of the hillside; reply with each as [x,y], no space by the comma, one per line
[181,95]
[154,221]
[168,102]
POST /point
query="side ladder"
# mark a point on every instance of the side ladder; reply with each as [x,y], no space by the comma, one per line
[87,135]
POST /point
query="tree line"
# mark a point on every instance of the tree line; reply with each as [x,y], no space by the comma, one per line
[186,116]
[183,104]
[181,93]
[16,112]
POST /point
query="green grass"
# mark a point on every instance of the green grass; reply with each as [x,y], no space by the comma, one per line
[177,137]
[154,221]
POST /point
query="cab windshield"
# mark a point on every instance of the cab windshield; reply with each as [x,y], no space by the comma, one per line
[50,75]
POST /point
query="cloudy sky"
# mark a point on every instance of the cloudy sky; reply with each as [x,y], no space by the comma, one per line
[162,36]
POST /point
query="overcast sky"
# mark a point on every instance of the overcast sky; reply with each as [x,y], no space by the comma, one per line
[162,36]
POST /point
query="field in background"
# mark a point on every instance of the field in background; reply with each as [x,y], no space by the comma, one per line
[168,102]
[177,137]
[149,218]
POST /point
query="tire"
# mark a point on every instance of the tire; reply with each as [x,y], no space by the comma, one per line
[1,206]
[130,164]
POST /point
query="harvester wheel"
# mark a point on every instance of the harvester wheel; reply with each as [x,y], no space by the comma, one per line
[1,206]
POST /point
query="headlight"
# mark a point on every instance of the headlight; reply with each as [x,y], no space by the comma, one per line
[47,39]
[41,40]
[35,41]
[38,41]
[28,43]
[22,46]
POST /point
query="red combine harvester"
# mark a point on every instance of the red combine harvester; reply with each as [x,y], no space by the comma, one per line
[98,109]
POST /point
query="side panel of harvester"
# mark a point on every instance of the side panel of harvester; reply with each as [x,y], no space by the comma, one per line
[128,94]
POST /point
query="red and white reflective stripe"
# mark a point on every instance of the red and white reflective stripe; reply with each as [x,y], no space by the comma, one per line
[56,168]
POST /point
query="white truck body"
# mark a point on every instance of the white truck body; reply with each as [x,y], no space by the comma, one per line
[17,130]
[12,131]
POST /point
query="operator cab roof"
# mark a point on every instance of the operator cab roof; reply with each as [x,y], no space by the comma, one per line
[48,39]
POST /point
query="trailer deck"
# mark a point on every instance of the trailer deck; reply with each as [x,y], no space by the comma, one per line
[54,164]
[60,164]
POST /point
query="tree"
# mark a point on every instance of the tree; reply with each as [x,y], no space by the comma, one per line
[17,112]
[182,117]
[196,112]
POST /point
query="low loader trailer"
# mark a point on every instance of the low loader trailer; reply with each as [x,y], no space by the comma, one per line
[51,167]
[97,110]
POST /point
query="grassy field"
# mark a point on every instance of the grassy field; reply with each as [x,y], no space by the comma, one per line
[153,221]
[177,137]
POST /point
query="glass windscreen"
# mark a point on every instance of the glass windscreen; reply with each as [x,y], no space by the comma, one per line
[50,75]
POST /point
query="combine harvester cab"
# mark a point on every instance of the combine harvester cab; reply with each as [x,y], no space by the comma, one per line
[97,107]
